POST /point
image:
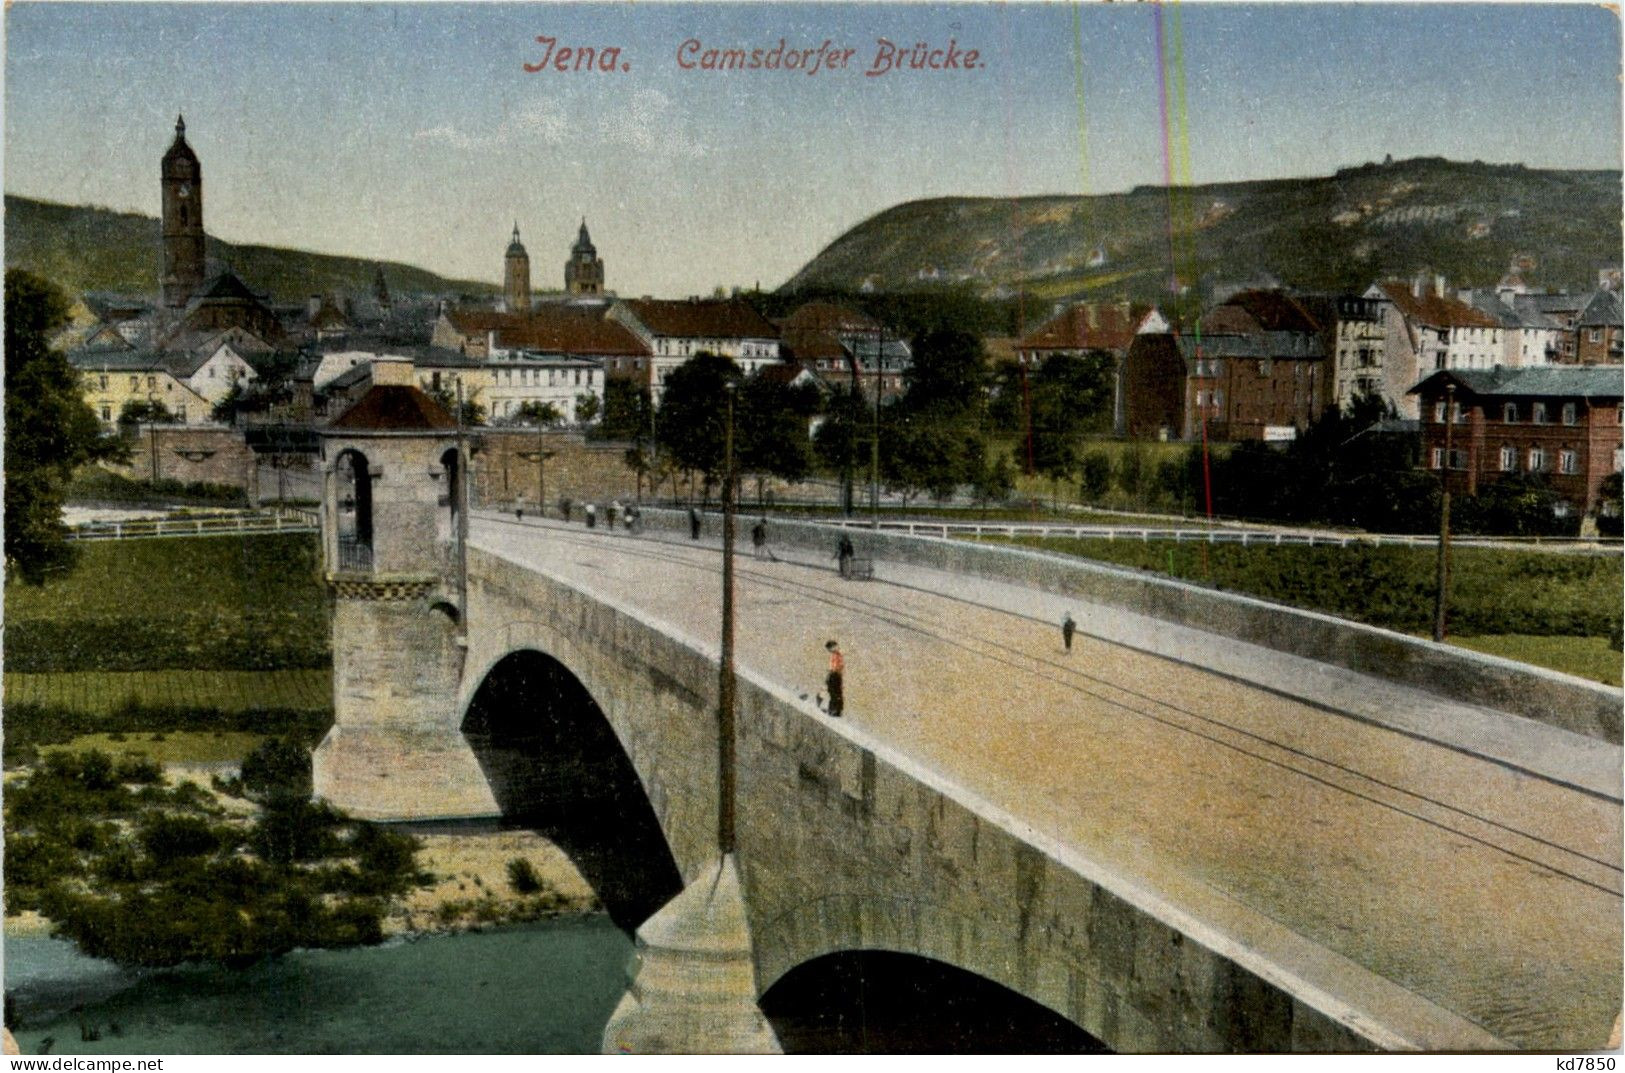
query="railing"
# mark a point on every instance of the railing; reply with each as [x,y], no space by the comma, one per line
[289,520]
[1244,537]
[354,555]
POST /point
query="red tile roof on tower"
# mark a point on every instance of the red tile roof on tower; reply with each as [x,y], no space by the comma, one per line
[1433,309]
[1089,326]
[702,318]
[395,408]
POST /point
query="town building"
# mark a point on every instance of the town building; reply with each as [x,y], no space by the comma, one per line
[1354,331]
[1560,309]
[1562,423]
[1093,327]
[1258,367]
[674,331]
[1153,388]
[112,379]
[584,271]
[1597,330]
[1426,328]
[841,346]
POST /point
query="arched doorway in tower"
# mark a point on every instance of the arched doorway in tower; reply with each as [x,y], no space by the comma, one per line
[556,767]
[451,504]
[884,1002]
[354,510]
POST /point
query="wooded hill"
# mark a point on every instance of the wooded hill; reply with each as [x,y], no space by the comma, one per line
[1468,221]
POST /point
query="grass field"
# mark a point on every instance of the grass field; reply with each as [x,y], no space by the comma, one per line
[224,603]
[1587,657]
[228,691]
[1540,603]
[190,747]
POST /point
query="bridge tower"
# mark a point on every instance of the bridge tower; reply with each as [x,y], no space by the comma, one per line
[393,498]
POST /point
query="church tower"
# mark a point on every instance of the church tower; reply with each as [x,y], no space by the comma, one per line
[584,272]
[516,278]
[182,183]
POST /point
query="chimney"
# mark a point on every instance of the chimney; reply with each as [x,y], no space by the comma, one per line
[313,305]
[1090,313]
[1438,286]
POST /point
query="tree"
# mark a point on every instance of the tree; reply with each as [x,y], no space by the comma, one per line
[626,411]
[533,413]
[50,429]
[692,419]
[948,376]
[770,428]
[586,407]
[143,412]
[473,412]
[995,480]
[1097,476]
[918,455]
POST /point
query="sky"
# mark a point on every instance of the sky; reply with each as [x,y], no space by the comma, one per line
[414,133]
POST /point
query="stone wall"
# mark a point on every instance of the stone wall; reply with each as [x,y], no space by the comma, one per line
[1546,696]
[576,468]
[183,453]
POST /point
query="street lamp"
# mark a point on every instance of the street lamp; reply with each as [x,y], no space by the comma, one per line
[874,440]
[539,456]
[1441,595]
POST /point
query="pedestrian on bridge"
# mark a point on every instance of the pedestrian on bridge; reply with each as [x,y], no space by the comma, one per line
[592,516]
[613,512]
[844,552]
[837,667]
[564,507]
[758,538]
[1068,628]
[693,524]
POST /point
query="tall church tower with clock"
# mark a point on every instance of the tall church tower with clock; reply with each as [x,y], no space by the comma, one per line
[182,182]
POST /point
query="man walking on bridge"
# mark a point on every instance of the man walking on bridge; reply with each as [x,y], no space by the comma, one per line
[1068,628]
[837,667]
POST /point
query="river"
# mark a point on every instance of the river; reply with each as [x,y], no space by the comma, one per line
[545,988]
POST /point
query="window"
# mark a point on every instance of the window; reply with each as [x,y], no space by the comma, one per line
[103,379]
[1438,413]
[1568,413]
[135,383]
[180,414]
[1458,459]
[1619,459]
[1596,335]
[1509,459]
[152,383]
[1436,458]
[1537,459]
[1509,413]
[1458,412]
[1218,397]
[1568,461]
[1538,413]
[107,415]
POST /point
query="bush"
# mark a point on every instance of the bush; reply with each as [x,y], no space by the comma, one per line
[277,768]
[522,877]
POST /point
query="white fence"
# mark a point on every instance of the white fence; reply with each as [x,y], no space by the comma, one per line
[288,520]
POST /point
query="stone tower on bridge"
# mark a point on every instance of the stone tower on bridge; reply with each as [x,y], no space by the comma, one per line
[394,503]
[182,207]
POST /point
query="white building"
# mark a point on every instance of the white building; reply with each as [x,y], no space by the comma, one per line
[674,331]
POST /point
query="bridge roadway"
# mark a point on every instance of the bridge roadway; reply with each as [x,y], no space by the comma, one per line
[1487,889]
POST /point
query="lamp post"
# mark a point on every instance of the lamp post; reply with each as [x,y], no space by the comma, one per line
[1441,596]
[726,757]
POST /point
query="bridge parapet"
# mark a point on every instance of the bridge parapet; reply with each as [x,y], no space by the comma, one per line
[1548,697]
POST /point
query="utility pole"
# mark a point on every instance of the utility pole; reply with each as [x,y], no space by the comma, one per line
[727,780]
[459,496]
[1442,595]
[874,440]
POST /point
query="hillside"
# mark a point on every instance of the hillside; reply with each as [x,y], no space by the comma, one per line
[94,249]
[1467,221]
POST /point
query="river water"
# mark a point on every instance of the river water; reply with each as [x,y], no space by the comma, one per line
[545,988]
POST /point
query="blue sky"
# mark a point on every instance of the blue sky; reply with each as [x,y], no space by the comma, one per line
[412,132]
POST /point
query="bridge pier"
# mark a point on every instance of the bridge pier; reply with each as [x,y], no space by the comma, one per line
[694,985]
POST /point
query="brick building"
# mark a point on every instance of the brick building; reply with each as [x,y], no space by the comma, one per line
[1560,422]
[1089,327]
[1258,368]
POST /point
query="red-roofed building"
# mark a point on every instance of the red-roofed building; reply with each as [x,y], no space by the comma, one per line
[835,343]
[1088,327]
[674,331]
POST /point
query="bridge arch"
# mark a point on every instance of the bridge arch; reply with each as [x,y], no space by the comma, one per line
[887,1001]
[555,764]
